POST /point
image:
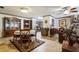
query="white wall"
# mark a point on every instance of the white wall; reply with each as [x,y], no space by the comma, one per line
[33,23]
[1,26]
[56,23]
[49,21]
[68,22]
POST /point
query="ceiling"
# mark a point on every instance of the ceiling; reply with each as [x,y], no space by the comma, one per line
[34,11]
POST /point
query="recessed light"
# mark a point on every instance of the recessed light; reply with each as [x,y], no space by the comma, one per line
[25,11]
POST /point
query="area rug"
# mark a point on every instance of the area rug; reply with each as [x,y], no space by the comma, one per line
[32,46]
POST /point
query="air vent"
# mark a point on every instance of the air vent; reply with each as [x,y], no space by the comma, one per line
[2,7]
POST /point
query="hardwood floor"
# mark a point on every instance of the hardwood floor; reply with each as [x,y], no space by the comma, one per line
[50,45]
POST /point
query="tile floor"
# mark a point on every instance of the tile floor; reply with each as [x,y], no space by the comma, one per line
[50,45]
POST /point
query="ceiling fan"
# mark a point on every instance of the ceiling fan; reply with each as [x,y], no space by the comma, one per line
[67,9]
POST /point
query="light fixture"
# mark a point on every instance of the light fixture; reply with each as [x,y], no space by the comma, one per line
[70,10]
[25,10]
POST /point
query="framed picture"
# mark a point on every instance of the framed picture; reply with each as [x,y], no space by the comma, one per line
[62,23]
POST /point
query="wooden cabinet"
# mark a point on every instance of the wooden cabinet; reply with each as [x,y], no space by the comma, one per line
[10,25]
[27,24]
[45,31]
